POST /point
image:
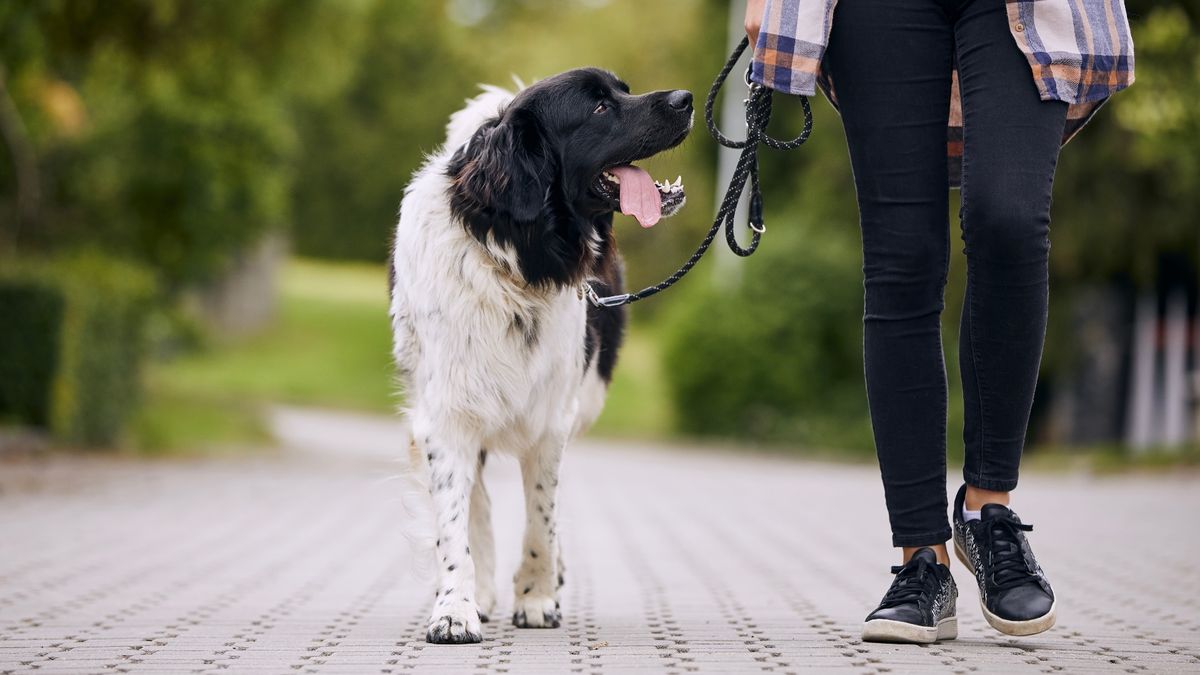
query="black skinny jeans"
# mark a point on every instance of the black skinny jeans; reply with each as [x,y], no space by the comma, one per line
[891,62]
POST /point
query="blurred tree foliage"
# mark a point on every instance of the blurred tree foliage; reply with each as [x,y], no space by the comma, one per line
[177,132]
[411,69]
[165,130]
[1125,212]
[1127,187]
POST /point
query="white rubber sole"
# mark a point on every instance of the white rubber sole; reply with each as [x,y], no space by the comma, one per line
[1017,628]
[886,630]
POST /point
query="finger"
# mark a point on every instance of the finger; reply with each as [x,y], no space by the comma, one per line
[752,33]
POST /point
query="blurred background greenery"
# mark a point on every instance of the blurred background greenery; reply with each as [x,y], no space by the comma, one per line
[196,201]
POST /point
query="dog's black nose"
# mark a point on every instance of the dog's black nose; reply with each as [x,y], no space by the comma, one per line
[680,99]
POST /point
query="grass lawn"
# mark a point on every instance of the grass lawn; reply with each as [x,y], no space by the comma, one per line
[330,346]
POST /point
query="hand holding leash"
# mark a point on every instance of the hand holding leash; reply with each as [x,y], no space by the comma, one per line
[758,116]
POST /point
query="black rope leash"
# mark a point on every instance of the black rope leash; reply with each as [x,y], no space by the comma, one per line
[758,116]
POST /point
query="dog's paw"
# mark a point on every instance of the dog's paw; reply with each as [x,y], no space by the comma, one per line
[533,611]
[455,629]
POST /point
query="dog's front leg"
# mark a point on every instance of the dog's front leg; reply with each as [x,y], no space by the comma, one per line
[536,581]
[452,474]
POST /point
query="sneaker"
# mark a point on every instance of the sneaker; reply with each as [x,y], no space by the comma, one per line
[1013,591]
[919,606]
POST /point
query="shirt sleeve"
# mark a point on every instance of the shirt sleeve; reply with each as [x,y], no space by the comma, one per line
[791,44]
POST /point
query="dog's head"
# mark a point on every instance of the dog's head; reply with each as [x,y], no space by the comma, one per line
[544,177]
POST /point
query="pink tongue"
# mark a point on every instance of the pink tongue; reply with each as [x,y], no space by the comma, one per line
[639,196]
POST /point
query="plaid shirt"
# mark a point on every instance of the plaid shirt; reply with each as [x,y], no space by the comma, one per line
[1079,51]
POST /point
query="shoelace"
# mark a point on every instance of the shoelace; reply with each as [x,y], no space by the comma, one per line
[914,580]
[1008,565]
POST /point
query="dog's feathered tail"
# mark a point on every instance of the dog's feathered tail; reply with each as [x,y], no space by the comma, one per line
[419,525]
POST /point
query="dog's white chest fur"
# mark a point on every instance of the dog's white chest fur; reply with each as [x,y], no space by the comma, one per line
[473,344]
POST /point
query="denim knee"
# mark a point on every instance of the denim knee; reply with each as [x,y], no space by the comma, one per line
[904,282]
[1006,235]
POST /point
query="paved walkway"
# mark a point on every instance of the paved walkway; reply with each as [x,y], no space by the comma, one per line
[676,562]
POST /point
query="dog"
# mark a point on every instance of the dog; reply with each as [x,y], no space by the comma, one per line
[495,343]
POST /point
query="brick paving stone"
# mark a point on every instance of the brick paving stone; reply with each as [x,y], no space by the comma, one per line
[678,561]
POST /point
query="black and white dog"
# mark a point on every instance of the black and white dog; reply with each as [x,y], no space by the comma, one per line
[497,347]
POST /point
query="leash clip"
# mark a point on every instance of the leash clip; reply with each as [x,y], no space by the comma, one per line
[607,301]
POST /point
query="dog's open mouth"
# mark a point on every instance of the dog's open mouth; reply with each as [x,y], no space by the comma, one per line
[630,190]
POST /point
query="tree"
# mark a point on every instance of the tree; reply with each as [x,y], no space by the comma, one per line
[1126,187]
[358,149]
[164,131]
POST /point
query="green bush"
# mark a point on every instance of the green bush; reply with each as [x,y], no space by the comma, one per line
[72,345]
[776,356]
[29,348]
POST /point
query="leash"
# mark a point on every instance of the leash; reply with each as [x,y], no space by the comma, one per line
[758,115]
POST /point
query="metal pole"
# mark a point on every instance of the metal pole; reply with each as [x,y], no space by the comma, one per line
[1140,419]
[1175,395]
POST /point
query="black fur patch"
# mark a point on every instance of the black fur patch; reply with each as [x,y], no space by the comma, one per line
[605,325]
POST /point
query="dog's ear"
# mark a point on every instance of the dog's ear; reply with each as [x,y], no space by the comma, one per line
[506,169]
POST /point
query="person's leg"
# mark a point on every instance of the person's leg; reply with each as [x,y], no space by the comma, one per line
[890,61]
[1010,149]
[1011,143]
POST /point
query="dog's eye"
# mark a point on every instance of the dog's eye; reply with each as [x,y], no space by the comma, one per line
[601,108]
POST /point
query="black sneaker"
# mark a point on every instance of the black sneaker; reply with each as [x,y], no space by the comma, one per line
[1015,595]
[919,607]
